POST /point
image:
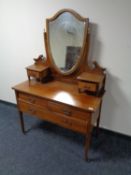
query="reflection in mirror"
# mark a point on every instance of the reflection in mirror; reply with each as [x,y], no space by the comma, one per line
[66,37]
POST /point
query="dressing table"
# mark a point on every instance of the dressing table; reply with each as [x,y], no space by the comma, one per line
[62,88]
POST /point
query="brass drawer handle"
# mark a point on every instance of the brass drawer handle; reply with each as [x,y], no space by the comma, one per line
[66,112]
[31,100]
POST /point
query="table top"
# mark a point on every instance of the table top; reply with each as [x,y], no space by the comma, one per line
[91,77]
[60,92]
[37,67]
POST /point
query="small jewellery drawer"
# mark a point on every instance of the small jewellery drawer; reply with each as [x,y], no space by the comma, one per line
[33,73]
[32,99]
[68,111]
[87,86]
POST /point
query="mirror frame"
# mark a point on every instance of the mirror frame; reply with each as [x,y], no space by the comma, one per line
[82,53]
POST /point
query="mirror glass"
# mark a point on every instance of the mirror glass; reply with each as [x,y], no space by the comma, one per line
[66,38]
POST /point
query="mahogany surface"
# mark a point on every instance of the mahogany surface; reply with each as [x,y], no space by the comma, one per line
[37,67]
[60,92]
[91,77]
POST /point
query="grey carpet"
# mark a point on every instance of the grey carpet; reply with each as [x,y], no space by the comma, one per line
[47,149]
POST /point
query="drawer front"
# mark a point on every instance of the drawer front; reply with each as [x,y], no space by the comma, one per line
[32,100]
[33,73]
[64,121]
[28,108]
[74,124]
[87,86]
[68,111]
[44,73]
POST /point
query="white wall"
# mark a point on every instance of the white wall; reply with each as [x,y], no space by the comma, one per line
[21,39]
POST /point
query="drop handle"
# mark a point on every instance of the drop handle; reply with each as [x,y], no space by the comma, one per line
[66,112]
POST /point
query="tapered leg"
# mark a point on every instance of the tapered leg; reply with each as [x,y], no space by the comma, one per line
[22,122]
[98,120]
[87,145]
[28,78]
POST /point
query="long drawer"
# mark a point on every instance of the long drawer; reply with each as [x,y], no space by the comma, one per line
[68,122]
[55,107]
[68,110]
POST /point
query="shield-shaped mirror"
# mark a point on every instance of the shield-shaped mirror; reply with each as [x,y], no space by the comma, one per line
[66,38]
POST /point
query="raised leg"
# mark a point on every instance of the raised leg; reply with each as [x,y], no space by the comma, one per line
[87,145]
[22,122]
